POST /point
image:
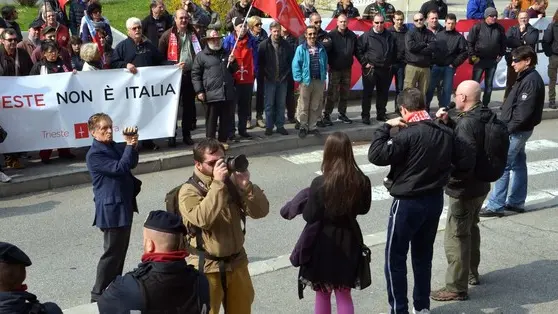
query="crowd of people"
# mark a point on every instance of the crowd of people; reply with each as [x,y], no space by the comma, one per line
[194,259]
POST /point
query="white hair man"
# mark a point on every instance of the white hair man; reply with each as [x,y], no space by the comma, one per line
[135,52]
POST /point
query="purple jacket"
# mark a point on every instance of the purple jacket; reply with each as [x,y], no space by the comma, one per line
[303,249]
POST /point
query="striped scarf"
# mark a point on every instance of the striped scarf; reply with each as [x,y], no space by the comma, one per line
[419,116]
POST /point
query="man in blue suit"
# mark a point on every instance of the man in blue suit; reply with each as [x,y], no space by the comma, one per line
[115,190]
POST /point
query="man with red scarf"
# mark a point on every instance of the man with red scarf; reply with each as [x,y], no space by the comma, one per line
[246,54]
[163,282]
[180,44]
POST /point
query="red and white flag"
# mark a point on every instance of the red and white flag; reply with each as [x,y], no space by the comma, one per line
[286,12]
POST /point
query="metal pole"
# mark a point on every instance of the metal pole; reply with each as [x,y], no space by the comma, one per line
[243,24]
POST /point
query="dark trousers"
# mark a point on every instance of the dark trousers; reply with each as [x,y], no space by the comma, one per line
[290,103]
[188,103]
[371,78]
[243,106]
[489,69]
[222,110]
[46,153]
[260,95]
[415,221]
[398,71]
[111,264]
[338,89]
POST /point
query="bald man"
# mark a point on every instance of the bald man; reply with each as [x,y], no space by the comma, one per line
[163,282]
[466,194]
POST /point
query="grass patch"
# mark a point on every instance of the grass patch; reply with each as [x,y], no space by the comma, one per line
[117,11]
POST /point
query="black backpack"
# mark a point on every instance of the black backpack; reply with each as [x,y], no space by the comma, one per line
[493,157]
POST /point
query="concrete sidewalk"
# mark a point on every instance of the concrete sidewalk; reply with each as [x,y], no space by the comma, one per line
[38,177]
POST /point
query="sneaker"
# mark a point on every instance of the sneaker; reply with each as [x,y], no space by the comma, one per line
[282,131]
[4,177]
[423,311]
[249,125]
[297,125]
[188,141]
[445,295]
[474,280]
[343,118]
[268,131]
[302,132]
[225,146]
[260,122]
[366,120]
[320,124]
[326,120]
[514,209]
[314,132]
[485,212]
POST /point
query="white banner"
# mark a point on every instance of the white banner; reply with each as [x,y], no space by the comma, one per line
[51,111]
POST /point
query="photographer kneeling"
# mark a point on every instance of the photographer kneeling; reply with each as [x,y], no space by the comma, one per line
[214,205]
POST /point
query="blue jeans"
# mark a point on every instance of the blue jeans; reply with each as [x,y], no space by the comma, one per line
[275,96]
[517,165]
[489,71]
[445,75]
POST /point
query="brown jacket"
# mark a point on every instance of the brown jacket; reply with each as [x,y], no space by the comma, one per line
[219,219]
[27,45]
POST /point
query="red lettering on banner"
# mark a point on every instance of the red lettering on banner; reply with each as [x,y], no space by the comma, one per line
[20,101]
[81,130]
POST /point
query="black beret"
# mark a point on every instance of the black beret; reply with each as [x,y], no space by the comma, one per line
[11,254]
[164,221]
[37,23]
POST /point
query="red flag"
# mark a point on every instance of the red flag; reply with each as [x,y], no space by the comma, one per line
[286,12]
[62,4]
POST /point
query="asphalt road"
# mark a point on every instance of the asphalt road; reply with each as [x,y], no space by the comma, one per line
[54,227]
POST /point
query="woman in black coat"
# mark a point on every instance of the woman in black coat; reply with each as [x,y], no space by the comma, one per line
[335,199]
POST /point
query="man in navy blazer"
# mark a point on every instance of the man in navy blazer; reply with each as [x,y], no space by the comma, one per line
[115,190]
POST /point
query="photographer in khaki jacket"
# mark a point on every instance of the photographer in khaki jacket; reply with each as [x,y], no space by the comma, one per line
[216,210]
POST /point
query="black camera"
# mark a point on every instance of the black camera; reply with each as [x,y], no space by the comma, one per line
[236,163]
[130,131]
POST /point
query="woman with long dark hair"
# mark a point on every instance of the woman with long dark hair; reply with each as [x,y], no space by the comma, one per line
[336,198]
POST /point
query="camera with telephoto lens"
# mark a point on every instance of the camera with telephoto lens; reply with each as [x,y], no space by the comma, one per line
[236,163]
[130,131]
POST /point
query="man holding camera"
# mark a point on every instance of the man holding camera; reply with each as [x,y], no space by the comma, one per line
[214,205]
[115,190]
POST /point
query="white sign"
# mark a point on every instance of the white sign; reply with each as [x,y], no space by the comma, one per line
[51,111]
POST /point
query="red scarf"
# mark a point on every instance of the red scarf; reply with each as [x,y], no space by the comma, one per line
[419,116]
[172,50]
[164,257]
[245,60]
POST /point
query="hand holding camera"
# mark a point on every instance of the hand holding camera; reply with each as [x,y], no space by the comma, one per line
[131,135]
[220,171]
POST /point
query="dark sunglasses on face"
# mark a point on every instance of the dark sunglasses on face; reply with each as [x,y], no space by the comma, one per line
[259,24]
[10,40]
[311,34]
[382,22]
[317,22]
[419,20]
[492,16]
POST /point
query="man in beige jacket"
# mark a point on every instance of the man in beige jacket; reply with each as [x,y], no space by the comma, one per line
[214,205]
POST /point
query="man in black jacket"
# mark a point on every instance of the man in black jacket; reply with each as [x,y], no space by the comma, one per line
[275,59]
[466,195]
[452,52]
[516,36]
[134,52]
[340,59]
[398,31]
[163,282]
[157,22]
[14,299]
[290,103]
[550,46]
[214,85]
[417,188]
[375,52]
[487,46]
[420,46]
[522,111]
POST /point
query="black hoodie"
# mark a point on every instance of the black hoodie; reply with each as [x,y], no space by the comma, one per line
[399,37]
[21,302]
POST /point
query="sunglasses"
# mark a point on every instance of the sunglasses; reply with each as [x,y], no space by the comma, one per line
[516,60]
[492,16]
[317,22]
[419,20]
[382,22]
[311,34]
[135,28]
[10,40]
[259,25]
